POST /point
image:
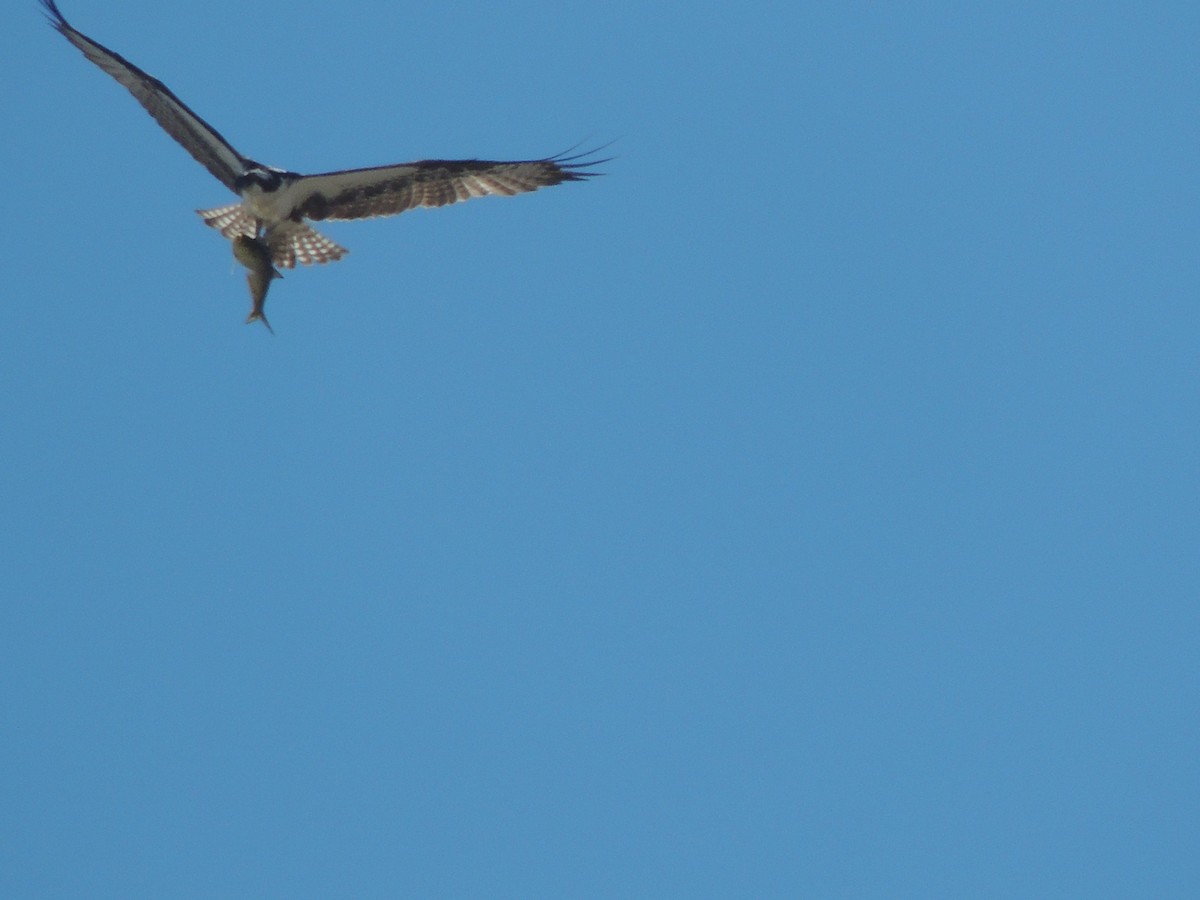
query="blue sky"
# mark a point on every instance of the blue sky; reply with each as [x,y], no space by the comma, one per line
[806,508]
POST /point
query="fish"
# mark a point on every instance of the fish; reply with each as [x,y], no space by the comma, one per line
[255,255]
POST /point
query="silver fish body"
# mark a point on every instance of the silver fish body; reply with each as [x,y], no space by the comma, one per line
[255,255]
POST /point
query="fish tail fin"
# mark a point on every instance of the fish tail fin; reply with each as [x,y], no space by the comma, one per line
[259,317]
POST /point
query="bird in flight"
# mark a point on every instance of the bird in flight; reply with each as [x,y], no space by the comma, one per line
[276,203]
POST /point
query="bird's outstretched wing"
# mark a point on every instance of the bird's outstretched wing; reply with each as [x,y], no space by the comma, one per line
[195,135]
[389,190]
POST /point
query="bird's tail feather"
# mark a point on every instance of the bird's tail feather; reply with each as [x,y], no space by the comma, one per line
[230,220]
[295,242]
[290,242]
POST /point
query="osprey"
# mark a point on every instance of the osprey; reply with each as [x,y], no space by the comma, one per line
[275,202]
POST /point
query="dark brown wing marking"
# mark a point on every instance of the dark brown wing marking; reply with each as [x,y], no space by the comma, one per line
[390,190]
[196,136]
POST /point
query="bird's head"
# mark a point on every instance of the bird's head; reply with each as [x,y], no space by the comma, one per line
[265,178]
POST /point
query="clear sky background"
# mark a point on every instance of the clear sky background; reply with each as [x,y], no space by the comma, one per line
[806,508]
